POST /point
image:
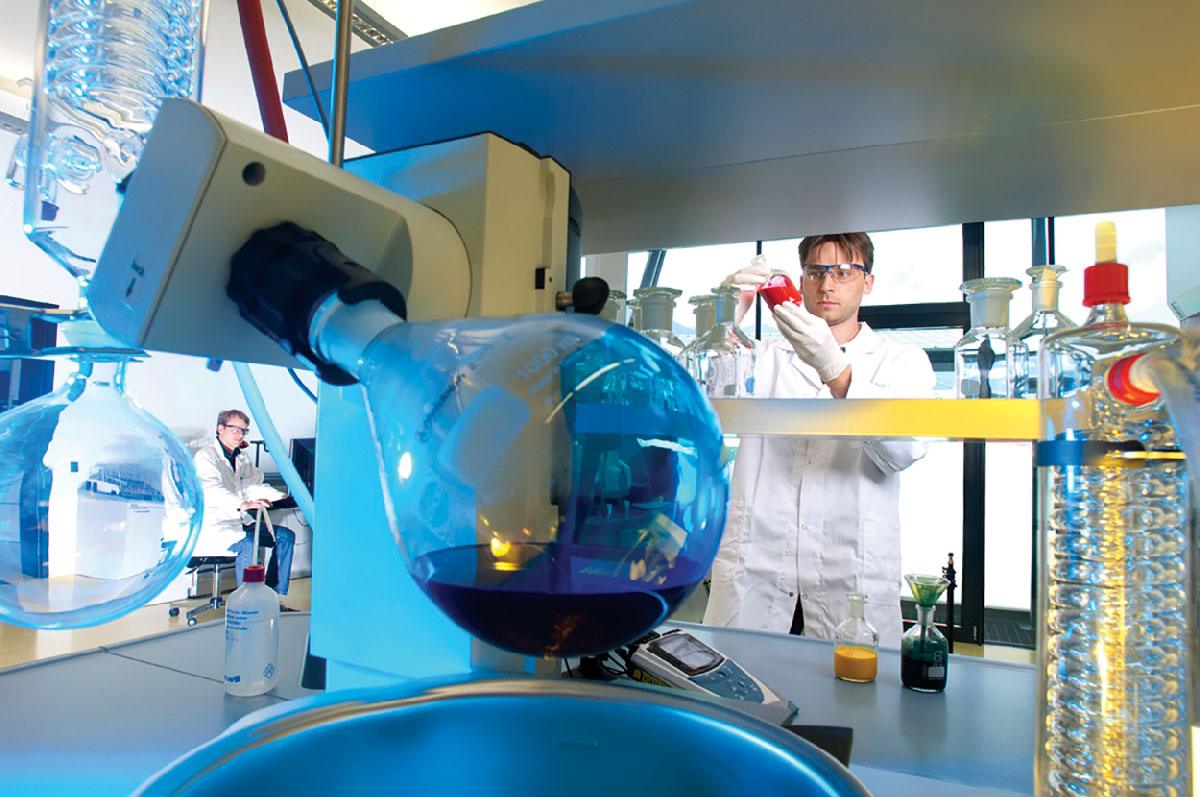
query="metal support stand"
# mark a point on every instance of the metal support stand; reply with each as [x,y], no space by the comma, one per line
[950,575]
[341,81]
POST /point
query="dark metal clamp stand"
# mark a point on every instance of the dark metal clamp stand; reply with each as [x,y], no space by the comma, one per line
[950,575]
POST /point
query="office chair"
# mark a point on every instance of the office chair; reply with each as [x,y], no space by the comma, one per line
[207,564]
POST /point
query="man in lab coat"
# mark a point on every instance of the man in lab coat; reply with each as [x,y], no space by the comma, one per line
[233,491]
[811,519]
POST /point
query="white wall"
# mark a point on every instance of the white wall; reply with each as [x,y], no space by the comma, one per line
[179,390]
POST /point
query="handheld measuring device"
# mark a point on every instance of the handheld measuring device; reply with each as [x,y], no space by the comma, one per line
[678,659]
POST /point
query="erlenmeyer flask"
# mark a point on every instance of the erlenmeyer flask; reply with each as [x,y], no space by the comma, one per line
[102,501]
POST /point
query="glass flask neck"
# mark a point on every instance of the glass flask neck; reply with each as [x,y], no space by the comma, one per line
[706,317]
[725,308]
[989,308]
[614,308]
[657,313]
[341,332]
[106,373]
[858,608]
[925,616]
[1110,313]
[1045,295]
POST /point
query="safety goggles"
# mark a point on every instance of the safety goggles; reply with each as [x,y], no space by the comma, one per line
[841,273]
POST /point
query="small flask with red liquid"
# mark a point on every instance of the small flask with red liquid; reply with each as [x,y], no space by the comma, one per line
[779,288]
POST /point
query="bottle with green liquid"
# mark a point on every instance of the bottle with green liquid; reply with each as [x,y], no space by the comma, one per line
[924,651]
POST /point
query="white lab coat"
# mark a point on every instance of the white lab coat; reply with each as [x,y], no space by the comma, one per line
[810,516]
[224,493]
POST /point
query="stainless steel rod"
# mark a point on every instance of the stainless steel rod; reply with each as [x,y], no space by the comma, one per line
[341,81]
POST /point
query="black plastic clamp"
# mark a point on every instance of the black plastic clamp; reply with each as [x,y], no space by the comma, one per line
[283,274]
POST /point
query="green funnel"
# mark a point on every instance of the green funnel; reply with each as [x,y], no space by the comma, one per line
[926,589]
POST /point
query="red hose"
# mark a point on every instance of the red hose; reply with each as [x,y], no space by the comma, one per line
[254,34]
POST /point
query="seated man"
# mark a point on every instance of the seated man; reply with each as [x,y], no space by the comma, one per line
[233,490]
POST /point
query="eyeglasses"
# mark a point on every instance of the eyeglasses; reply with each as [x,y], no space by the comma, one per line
[842,272]
[242,430]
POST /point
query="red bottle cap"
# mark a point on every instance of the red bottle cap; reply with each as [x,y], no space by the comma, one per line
[1106,283]
[1121,385]
[254,574]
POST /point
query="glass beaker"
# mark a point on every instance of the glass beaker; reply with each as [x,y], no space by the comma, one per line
[656,312]
[989,361]
[103,70]
[856,644]
[1044,320]
[924,651]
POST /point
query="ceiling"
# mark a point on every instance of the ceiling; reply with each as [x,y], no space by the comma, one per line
[700,121]
[415,17]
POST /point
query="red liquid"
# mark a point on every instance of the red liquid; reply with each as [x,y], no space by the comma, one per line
[779,289]
[525,611]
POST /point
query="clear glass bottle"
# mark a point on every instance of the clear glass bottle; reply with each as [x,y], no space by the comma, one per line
[1115,575]
[989,361]
[103,70]
[702,308]
[657,312]
[614,308]
[856,644]
[924,651]
[1044,320]
[722,359]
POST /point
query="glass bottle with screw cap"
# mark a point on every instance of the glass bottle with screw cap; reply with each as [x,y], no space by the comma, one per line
[1044,320]
[251,636]
[988,360]
[856,644]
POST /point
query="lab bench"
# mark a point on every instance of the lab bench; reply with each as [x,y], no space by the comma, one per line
[101,722]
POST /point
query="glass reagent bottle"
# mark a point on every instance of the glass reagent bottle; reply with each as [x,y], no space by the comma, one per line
[924,651]
[856,644]
[1044,320]
[989,361]
[722,359]
[657,311]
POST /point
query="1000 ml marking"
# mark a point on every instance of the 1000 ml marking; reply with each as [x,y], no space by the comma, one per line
[544,358]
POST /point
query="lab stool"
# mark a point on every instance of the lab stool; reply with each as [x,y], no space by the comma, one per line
[199,565]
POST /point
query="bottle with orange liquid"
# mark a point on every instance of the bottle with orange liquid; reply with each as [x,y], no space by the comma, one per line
[856,644]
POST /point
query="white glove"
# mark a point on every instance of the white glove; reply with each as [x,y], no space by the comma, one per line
[812,339]
[749,279]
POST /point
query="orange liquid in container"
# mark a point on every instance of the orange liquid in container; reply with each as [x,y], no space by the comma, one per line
[856,664]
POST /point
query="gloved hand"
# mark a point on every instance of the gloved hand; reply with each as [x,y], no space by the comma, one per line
[812,339]
[749,279]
